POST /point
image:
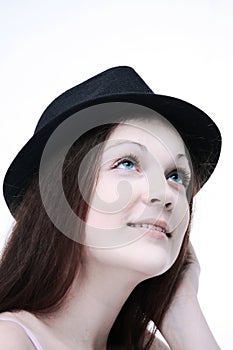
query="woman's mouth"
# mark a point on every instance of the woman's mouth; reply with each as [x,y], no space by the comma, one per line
[151,227]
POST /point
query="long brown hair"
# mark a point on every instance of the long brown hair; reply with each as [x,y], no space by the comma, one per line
[39,263]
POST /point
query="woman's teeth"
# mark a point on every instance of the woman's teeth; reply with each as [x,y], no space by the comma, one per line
[149,226]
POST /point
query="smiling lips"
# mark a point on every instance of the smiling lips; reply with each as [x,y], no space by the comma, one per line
[158,226]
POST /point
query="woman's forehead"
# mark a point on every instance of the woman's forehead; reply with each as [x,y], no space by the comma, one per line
[156,132]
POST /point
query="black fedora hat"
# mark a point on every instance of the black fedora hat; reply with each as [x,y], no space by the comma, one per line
[118,84]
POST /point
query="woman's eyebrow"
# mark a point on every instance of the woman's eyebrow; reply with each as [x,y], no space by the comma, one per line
[119,143]
[142,147]
[180,155]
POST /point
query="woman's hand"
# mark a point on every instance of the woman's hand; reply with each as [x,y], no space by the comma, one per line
[188,287]
[184,326]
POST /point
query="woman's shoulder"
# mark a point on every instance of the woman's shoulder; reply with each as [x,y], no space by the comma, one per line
[12,335]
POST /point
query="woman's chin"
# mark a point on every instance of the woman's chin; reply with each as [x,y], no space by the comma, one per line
[152,267]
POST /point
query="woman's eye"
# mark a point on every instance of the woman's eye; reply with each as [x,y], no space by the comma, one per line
[180,176]
[176,178]
[128,163]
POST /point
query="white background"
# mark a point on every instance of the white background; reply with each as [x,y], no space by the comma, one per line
[180,48]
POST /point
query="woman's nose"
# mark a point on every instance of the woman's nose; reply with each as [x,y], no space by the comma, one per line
[159,192]
[167,203]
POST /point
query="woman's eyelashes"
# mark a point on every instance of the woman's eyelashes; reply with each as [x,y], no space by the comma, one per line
[128,162]
[180,176]
[131,162]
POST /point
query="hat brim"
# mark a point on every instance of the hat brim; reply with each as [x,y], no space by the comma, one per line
[200,134]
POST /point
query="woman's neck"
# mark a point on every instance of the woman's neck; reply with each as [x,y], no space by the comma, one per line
[91,307]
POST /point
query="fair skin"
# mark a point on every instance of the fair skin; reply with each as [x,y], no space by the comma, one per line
[185,326]
[119,255]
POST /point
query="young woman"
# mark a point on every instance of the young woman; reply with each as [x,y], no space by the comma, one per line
[102,197]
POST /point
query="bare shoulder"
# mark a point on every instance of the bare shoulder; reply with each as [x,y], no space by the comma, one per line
[12,337]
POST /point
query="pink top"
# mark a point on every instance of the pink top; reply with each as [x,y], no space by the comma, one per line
[30,335]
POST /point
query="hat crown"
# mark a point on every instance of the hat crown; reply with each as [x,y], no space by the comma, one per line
[122,80]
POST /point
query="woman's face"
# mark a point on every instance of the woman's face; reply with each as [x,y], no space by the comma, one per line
[139,211]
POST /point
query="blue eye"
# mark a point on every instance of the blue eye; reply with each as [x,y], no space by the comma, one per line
[180,176]
[128,163]
[176,178]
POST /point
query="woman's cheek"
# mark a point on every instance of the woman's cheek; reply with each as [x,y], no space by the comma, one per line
[182,212]
[182,228]
[116,192]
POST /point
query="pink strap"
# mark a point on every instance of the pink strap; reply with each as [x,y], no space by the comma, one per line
[30,335]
